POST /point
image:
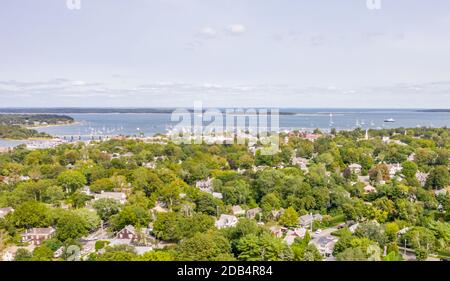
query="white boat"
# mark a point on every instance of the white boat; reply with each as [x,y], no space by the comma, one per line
[390,120]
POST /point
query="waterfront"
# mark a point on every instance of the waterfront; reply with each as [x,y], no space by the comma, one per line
[147,124]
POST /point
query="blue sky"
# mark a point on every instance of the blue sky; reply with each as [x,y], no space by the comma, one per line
[282,53]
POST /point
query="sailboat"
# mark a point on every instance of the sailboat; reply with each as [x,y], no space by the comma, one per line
[331,119]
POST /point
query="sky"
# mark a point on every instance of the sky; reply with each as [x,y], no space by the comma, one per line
[265,53]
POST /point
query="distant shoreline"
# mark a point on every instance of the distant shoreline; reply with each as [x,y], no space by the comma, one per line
[53,125]
[434,110]
[169,110]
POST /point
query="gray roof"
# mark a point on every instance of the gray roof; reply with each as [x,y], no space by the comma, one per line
[40,231]
[6,210]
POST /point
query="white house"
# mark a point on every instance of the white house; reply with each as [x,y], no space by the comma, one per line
[364,179]
[217,195]
[226,221]
[237,210]
[394,168]
[149,165]
[277,231]
[325,245]
[301,162]
[306,220]
[252,213]
[37,235]
[422,178]
[118,196]
[369,189]
[355,168]
[204,185]
[5,211]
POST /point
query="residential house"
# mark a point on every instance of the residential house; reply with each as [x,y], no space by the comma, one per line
[443,191]
[355,168]
[311,137]
[294,233]
[301,162]
[394,168]
[4,149]
[403,231]
[36,236]
[226,221]
[217,195]
[237,210]
[149,165]
[128,155]
[364,179]
[422,178]
[277,231]
[159,209]
[86,190]
[131,236]
[24,178]
[353,227]
[275,214]
[252,213]
[205,185]
[118,196]
[70,166]
[306,220]
[325,245]
[5,211]
[259,168]
[369,189]
[128,232]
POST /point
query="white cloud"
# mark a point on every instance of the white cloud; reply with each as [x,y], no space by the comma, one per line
[78,83]
[60,92]
[236,29]
[208,32]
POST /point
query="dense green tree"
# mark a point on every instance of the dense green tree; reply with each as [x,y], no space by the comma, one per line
[42,253]
[23,254]
[106,207]
[439,178]
[100,185]
[31,214]
[167,226]
[130,215]
[69,225]
[289,218]
[71,180]
[205,247]
[263,248]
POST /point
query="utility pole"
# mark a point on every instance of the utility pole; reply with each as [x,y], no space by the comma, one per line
[404,250]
